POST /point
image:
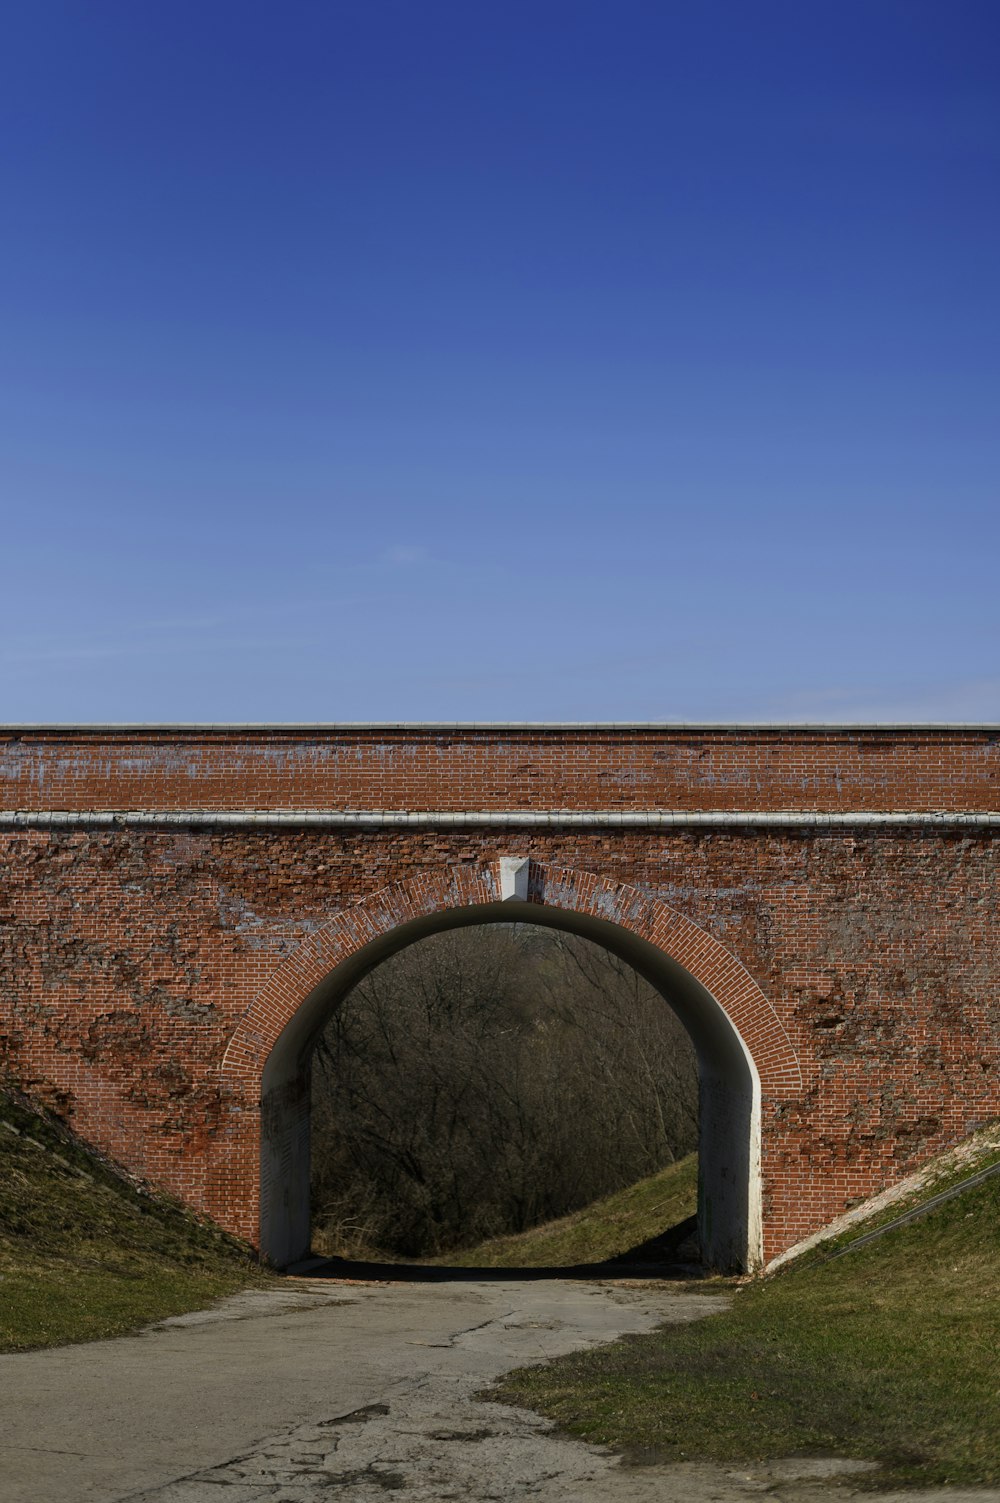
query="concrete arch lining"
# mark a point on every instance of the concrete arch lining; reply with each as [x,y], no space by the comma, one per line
[693,973]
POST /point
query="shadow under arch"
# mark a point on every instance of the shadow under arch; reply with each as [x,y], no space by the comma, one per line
[738,1039]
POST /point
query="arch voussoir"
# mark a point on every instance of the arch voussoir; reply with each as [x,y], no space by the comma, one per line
[584,893]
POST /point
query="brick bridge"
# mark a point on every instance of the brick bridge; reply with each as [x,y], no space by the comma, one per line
[181,908]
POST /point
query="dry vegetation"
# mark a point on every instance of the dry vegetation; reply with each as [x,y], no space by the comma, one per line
[628,1225]
[86,1253]
[487,1080]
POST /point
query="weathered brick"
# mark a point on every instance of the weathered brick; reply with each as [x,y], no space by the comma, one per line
[145,973]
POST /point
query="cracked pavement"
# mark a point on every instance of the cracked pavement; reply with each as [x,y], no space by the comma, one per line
[317,1390]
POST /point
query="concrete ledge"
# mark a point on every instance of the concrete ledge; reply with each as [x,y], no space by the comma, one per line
[446,819]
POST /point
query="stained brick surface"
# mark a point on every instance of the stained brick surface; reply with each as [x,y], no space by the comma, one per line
[144,974]
[501,769]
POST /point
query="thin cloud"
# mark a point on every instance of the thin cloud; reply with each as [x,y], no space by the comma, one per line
[971,701]
[67,654]
[243,628]
[405,556]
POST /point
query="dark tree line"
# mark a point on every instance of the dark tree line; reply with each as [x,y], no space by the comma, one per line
[487,1079]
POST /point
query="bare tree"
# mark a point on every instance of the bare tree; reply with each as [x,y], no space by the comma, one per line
[486,1079]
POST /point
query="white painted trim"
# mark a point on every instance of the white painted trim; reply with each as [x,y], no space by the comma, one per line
[445,819]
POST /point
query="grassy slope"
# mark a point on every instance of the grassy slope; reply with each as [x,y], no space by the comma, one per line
[603,1230]
[890,1353]
[84,1254]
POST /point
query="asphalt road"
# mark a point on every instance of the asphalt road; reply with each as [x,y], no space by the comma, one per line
[321,1390]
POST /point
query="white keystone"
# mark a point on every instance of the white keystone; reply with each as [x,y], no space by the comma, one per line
[514,878]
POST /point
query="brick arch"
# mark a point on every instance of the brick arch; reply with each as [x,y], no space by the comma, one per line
[743,1052]
[567,890]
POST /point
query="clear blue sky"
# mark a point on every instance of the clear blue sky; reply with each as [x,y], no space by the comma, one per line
[385,360]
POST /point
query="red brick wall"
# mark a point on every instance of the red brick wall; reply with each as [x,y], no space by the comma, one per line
[504,768]
[127,957]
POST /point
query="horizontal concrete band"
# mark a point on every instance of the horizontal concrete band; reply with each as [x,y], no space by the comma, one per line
[446,819]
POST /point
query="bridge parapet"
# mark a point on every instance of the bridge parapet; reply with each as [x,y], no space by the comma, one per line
[493,771]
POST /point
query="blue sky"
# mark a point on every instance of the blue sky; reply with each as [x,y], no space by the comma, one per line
[548,361]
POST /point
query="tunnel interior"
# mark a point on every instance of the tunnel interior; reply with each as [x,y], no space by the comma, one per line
[729,1196]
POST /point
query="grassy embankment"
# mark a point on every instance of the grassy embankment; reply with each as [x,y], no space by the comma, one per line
[623,1222]
[84,1254]
[890,1353]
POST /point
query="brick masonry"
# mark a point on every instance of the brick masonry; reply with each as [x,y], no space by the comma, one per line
[146,972]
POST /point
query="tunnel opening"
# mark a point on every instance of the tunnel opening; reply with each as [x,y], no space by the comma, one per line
[487,1082]
[729,1197]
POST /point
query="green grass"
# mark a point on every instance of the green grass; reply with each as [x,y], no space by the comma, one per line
[942,1175]
[84,1254]
[890,1353]
[606,1229]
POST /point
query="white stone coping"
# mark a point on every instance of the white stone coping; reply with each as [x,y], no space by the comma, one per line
[444,819]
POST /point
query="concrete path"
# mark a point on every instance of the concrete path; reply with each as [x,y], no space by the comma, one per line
[319,1390]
